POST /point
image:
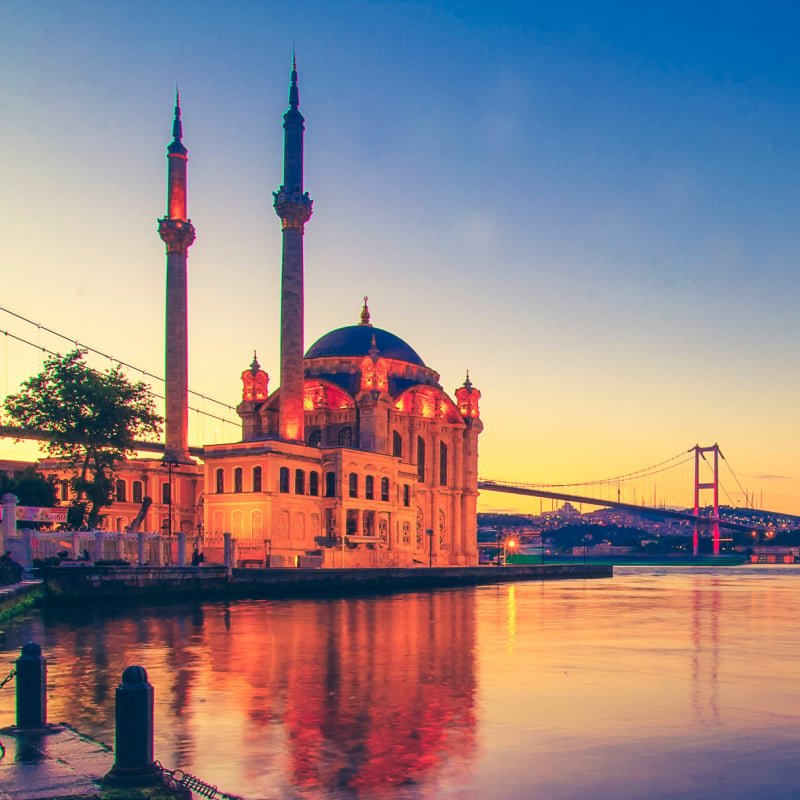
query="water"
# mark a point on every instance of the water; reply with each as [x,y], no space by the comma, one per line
[659,683]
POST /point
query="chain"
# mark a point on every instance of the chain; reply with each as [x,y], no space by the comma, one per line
[185,780]
[8,678]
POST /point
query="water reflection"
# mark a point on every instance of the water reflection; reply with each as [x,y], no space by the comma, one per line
[658,683]
[342,698]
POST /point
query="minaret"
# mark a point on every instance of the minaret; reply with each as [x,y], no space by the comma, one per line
[177,232]
[293,206]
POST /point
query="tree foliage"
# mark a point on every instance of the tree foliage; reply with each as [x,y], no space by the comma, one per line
[30,487]
[91,420]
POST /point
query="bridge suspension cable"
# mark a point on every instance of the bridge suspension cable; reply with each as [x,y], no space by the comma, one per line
[155,394]
[645,472]
[96,352]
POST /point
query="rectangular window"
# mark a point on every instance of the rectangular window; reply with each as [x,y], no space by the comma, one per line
[257,479]
[284,480]
[299,482]
[237,480]
[165,493]
[137,491]
[220,478]
[442,464]
[369,488]
[353,485]
[385,490]
[406,495]
[330,484]
[313,483]
[64,489]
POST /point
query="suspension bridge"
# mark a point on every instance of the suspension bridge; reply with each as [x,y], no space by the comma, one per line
[696,469]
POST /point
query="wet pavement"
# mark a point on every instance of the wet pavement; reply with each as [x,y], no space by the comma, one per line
[58,763]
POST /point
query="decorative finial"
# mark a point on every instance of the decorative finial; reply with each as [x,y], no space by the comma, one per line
[365,313]
[373,350]
[467,381]
[255,366]
[177,126]
[294,92]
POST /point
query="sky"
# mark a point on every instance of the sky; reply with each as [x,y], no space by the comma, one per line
[592,208]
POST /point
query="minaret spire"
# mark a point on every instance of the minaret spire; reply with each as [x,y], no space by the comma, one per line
[177,232]
[293,206]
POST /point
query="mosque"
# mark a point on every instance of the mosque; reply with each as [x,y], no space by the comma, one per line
[359,458]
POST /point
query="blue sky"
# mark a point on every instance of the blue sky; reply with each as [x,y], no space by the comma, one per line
[592,208]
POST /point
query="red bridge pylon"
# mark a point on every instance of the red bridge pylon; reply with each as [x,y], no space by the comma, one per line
[699,452]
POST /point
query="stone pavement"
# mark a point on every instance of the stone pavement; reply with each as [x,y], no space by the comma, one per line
[62,763]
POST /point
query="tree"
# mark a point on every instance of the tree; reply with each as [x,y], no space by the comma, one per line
[91,420]
[30,487]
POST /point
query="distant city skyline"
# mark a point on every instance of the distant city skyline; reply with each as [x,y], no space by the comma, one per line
[592,209]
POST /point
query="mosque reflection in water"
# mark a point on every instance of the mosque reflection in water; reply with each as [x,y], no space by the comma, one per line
[354,696]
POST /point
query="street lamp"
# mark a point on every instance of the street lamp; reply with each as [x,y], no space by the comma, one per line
[510,544]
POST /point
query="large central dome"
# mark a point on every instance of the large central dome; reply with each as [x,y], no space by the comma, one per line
[356,341]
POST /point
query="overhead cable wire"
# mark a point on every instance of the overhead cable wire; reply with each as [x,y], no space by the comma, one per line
[83,346]
[155,394]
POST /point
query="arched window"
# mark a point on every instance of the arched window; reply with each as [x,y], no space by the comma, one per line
[299,481]
[406,495]
[385,490]
[420,458]
[330,484]
[315,438]
[397,445]
[313,483]
[345,437]
[353,486]
[257,479]
[166,495]
[442,464]
[220,481]
[369,488]
[237,480]
[137,491]
[120,493]
[284,480]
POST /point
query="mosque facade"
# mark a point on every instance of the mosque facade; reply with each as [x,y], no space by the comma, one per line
[359,458]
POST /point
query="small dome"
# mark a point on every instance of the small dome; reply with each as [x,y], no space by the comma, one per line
[356,341]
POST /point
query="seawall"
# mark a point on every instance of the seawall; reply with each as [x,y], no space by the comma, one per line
[212,582]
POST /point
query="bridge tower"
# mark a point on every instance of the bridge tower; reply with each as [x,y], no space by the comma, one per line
[699,452]
[177,232]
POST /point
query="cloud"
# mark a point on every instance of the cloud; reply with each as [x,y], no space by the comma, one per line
[772,477]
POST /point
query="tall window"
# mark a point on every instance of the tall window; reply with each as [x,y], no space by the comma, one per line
[397,445]
[237,479]
[120,493]
[284,480]
[385,490]
[220,481]
[313,483]
[420,458]
[315,438]
[442,464]
[165,494]
[406,495]
[64,486]
[257,478]
[369,488]
[353,484]
[299,482]
[345,437]
[330,484]
[137,491]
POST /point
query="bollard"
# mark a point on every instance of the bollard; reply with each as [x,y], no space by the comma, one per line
[133,739]
[31,679]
